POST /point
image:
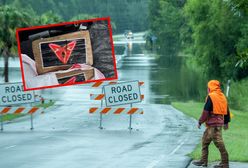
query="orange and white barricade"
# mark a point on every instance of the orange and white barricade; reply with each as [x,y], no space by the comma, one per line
[101,83]
[19,110]
[102,96]
[113,110]
[109,110]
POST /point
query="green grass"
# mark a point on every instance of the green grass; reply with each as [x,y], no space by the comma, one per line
[238,95]
[9,117]
[235,138]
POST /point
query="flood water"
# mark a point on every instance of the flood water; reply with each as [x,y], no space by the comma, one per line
[166,79]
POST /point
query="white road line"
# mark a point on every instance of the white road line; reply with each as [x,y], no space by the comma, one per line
[179,146]
[155,162]
[161,157]
[8,147]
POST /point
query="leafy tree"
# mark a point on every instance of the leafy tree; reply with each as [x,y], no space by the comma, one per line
[165,22]
[83,16]
[215,33]
[48,18]
[242,47]
[239,5]
[10,19]
[126,14]
[241,9]
[154,8]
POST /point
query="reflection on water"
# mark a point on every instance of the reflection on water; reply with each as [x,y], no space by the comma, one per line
[166,79]
[136,48]
[177,81]
[119,49]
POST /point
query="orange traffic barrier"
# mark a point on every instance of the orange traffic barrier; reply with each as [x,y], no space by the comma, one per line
[18,110]
[100,83]
[109,110]
[102,96]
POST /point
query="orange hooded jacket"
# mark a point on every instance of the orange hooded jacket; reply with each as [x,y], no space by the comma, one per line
[218,98]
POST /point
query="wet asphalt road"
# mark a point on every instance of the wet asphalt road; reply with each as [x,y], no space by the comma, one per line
[67,136]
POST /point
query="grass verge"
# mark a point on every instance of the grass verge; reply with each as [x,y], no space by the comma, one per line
[9,117]
[235,138]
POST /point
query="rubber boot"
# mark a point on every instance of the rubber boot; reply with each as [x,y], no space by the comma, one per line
[199,163]
[221,165]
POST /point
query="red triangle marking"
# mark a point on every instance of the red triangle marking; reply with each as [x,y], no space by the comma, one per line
[63,53]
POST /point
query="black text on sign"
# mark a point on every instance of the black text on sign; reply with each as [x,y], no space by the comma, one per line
[13,93]
[122,93]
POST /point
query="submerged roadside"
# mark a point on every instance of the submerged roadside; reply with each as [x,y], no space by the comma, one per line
[10,117]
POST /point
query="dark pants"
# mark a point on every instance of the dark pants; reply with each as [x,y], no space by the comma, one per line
[214,134]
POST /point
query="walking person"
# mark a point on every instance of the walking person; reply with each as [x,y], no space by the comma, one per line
[215,115]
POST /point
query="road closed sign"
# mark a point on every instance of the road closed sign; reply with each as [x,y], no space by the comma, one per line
[13,93]
[122,93]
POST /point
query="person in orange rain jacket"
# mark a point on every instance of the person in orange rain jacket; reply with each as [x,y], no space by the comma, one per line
[215,115]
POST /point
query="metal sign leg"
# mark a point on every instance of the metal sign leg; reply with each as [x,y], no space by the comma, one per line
[31,121]
[100,125]
[1,122]
[130,119]
[130,122]
[228,88]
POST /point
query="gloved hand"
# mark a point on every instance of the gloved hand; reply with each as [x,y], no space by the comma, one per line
[199,126]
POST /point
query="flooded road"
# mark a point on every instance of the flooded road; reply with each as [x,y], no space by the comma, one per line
[66,135]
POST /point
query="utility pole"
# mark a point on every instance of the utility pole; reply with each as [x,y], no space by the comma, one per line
[228,88]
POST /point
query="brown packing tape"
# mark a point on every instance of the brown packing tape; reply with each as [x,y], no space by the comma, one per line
[89,74]
[38,56]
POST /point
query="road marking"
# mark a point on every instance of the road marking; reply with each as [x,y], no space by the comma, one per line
[161,157]
[155,162]
[179,146]
[8,147]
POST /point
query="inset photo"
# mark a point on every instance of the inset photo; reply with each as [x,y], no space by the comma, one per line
[66,53]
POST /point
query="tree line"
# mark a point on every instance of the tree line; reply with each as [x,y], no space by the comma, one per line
[24,13]
[213,33]
[126,14]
